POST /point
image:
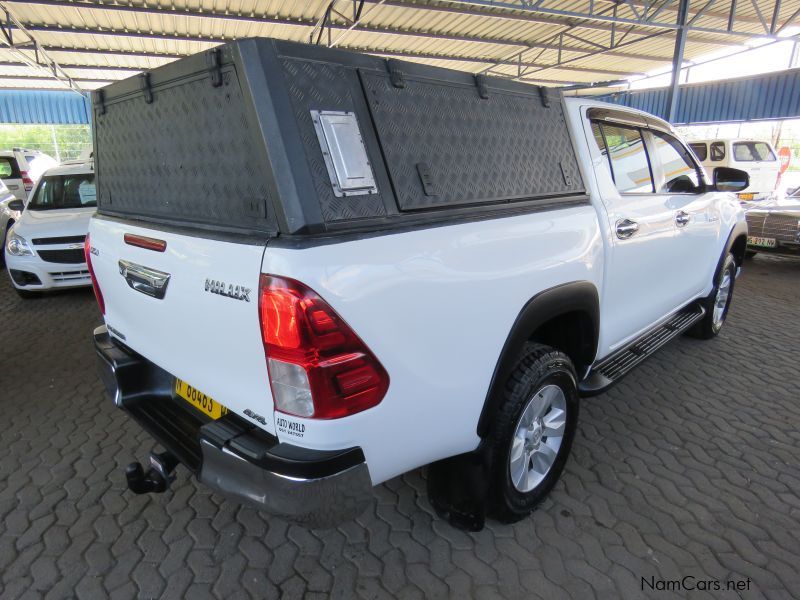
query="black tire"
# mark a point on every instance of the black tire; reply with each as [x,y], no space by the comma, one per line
[27,294]
[749,254]
[707,328]
[539,366]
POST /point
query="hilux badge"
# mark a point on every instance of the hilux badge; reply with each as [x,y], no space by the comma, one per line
[237,292]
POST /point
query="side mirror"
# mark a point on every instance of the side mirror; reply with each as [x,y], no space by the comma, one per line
[727,179]
[18,205]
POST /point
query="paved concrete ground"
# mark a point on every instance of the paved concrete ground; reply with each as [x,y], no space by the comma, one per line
[688,468]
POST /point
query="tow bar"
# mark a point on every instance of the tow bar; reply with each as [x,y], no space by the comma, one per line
[158,477]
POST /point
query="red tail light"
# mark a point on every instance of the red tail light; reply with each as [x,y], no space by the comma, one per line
[318,367]
[87,252]
[27,182]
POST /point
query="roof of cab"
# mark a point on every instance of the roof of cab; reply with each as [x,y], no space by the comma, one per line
[76,167]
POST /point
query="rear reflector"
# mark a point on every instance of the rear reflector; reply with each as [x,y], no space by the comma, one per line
[318,367]
[147,243]
[87,252]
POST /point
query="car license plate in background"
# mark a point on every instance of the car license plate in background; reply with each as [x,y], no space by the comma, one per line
[760,241]
[199,400]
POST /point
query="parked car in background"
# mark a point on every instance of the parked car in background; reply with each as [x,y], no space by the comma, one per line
[44,249]
[756,157]
[774,230]
[20,169]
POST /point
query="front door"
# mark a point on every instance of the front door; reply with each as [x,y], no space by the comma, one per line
[678,179]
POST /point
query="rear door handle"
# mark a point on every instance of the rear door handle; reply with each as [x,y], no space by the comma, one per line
[626,228]
[682,219]
[144,279]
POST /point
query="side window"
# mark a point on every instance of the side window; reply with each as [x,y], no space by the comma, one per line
[717,151]
[752,152]
[8,168]
[678,170]
[700,150]
[627,157]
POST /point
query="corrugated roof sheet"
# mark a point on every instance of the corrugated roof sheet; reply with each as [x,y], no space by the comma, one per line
[770,96]
[141,34]
[38,106]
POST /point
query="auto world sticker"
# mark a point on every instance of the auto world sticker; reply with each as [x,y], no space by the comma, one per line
[289,427]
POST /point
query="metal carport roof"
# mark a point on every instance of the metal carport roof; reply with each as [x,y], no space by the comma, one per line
[550,41]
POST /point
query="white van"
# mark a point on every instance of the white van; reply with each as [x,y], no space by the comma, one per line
[756,157]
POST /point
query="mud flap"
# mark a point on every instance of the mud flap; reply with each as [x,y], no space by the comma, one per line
[458,488]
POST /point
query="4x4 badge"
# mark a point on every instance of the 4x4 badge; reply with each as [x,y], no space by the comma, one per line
[237,292]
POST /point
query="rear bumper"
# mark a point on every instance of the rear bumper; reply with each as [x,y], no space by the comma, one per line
[314,488]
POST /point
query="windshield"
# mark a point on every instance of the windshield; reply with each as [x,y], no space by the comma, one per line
[64,191]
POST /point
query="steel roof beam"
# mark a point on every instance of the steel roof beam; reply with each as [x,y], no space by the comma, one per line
[221,40]
[420,56]
[101,5]
[40,61]
[482,11]
[640,19]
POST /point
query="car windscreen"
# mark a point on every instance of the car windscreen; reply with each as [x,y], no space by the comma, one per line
[64,191]
[752,152]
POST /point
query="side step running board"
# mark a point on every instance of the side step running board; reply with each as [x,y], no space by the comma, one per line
[613,368]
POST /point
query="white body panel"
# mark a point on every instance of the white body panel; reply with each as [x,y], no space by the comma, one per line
[435,305]
[211,341]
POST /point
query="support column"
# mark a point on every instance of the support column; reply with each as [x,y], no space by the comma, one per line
[677,61]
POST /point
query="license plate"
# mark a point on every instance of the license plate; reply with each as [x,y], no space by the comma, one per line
[746,196]
[202,402]
[761,241]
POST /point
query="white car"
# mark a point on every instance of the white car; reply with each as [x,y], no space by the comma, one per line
[418,267]
[21,168]
[757,157]
[44,248]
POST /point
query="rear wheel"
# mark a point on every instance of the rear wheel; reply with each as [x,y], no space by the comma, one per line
[718,303]
[532,434]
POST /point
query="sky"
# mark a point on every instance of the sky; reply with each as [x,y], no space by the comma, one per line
[756,56]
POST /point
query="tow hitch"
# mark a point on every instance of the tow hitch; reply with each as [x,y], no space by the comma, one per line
[158,477]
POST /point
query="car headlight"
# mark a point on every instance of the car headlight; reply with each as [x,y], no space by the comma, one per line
[18,246]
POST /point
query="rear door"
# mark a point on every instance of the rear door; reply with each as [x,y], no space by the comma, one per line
[643,281]
[759,160]
[205,328]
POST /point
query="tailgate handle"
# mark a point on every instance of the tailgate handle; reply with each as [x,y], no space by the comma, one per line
[144,279]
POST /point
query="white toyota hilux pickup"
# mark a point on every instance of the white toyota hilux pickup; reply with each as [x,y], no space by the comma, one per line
[345,268]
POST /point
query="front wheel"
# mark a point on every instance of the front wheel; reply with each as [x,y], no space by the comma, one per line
[718,303]
[533,431]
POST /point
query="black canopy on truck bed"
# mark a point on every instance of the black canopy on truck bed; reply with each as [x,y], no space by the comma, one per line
[267,136]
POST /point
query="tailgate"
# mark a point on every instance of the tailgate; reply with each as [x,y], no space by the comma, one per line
[210,340]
